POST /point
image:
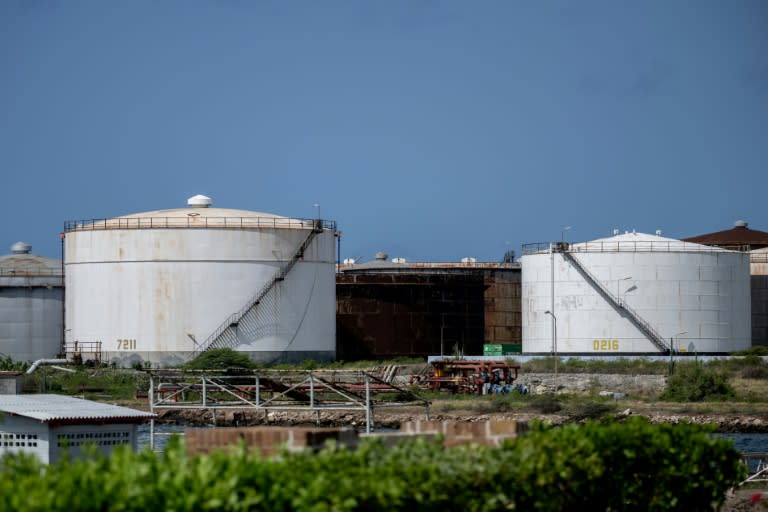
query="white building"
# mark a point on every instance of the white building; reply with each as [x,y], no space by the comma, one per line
[51,425]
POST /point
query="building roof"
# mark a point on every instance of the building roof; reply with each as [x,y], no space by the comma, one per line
[739,236]
[67,409]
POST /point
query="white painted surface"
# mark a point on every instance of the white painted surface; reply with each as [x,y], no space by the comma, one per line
[163,287]
[674,286]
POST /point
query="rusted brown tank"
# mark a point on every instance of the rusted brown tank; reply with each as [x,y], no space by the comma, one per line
[398,309]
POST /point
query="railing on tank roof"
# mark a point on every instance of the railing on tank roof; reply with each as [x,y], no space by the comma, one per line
[10,272]
[758,258]
[194,221]
[371,265]
[623,246]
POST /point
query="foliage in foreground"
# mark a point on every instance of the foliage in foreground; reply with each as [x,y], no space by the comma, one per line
[693,382]
[608,466]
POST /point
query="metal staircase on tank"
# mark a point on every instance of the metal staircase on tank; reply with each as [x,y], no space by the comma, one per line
[642,325]
[225,336]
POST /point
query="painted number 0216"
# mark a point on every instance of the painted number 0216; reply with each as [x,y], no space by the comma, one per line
[129,344]
[605,345]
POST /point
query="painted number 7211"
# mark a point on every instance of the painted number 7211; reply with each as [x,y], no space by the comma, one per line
[129,344]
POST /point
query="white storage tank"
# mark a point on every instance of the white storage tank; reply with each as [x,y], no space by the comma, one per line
[634,293]
[163,286]
[31,305]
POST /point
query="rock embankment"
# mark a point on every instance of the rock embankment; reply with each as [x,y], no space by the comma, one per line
[393,420]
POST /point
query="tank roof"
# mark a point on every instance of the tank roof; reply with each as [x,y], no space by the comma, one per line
[200,212]
[25,263]
[739,236]
[377,265]
[636,241]
[624,242]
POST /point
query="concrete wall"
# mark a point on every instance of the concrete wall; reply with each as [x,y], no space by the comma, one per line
[269,440]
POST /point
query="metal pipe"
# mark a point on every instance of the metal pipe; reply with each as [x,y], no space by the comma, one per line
[40,362]
[151,397]
[367,404]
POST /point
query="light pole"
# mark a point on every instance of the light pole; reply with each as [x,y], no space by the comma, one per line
[317,205]
[554,341]
[672,350]
[562,233]
[618,287]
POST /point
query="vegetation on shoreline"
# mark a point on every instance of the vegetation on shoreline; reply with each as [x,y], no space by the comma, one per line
[597,466]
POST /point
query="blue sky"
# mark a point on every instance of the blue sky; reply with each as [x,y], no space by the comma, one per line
[428,130]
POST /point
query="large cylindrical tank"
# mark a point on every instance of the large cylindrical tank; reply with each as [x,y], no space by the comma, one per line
[163,286]
[634,293]
[31,302]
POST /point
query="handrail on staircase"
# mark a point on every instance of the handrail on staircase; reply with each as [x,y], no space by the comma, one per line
[233,319]
[644,326]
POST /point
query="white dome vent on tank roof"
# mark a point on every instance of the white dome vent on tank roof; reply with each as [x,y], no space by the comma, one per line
[740,224]
[21,248]
[199,201]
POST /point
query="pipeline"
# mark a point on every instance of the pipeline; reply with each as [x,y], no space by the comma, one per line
[45,361]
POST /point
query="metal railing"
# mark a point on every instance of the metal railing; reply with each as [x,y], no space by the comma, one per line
[83,350]
[11,272]
[432,265]
[195,220]
[232,320]
[758,258]
[626,246]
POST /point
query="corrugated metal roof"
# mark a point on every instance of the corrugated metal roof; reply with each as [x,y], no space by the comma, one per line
[53,408]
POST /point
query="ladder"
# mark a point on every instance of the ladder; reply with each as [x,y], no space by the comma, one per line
[225,335]
[642,325]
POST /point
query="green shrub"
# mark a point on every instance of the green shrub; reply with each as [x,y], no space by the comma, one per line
[756,350]
[693,382]
[220,359]
[545,404]
[597,466]
[591,409]
[7,364]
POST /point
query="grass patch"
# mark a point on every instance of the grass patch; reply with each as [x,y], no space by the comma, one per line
[621,366]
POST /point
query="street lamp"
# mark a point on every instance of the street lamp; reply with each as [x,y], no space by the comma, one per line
[672,349]
[618,286]
[562,233]
[317,205]
[554,341]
